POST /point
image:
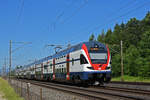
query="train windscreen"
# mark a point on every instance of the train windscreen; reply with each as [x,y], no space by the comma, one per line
[98,58]
[98,54]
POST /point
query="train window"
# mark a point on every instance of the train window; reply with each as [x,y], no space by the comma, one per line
[51,64]
[45,66]
[59,70]
[62,70]
[72,61]
[83,59]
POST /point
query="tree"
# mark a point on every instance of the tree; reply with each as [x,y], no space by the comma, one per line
[108,38]
[133,31]
[116,66]
[136,46]
[131,66]
[101,37]
[144,46]
[92,38]
[116,34]
[147,19]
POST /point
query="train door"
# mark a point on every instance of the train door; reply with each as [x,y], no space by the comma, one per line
[47,74]
[35,72]
[54,69]
[68,67]
[41,71]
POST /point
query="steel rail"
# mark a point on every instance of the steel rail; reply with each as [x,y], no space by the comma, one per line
[138,91]
[131,83]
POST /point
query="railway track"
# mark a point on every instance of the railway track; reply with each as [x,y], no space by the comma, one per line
[131,83]
[138,91]
[102,93]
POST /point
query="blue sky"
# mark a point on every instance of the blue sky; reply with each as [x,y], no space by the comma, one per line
[45,22]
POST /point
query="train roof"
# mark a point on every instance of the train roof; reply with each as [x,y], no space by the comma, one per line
[66,51]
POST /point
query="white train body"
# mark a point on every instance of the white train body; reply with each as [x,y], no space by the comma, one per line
[85,62]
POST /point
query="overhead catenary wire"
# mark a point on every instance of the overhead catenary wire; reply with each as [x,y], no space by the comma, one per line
[118,10]
[113,19]
[126,6]
[59,16]
[128,12]
[20,46]
[76,11]
[121,8]
[20,10]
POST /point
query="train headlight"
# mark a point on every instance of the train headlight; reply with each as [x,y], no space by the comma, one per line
[99,68]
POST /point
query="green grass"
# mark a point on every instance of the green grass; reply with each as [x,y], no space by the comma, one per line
[132,79]
[8,91]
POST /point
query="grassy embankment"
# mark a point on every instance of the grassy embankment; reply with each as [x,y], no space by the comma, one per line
[9,93]
[132,79]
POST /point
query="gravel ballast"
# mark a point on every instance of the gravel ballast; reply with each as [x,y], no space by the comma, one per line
[47,93]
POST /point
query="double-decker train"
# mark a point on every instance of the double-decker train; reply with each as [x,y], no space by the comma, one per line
[87,62]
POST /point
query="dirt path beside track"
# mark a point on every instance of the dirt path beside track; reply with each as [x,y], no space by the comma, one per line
[1,97]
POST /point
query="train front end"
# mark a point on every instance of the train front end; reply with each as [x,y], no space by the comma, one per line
[97,70]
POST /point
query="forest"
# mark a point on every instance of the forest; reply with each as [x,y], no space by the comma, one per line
[135,35]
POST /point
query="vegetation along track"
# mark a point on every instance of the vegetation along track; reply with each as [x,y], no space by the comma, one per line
[103,93]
